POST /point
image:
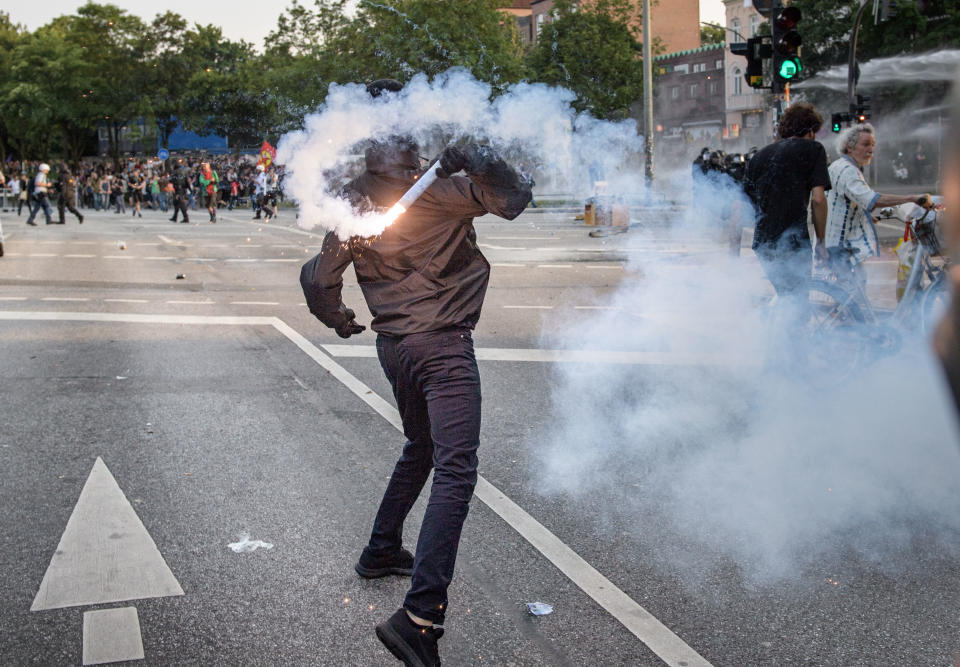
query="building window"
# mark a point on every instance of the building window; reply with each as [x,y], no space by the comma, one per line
[754,24]
[675,93]
[694,89]
[735,26]
[682,69]
[737,81]
[718,64]
[540,19]
[714,87]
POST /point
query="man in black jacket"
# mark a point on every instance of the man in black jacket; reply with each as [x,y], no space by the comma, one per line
[181,190]
[68,194]
[424,280]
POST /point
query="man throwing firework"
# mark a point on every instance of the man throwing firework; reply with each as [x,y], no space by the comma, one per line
[424,281]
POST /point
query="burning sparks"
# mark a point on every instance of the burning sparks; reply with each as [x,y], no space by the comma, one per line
[395,212]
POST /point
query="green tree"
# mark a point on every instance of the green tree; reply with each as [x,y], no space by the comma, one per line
[10,35]
[826,27]
[399,38]
[593,52]
[710,34]
[116,46]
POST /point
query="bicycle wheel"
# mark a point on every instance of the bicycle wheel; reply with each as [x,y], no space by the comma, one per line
[934,304]
[837,334]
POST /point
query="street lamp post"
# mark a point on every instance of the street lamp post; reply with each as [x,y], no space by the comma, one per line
[648,128]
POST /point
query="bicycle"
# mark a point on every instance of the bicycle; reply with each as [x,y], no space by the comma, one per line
[843,325]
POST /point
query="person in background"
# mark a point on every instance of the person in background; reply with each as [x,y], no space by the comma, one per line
[68,195]
[180,182]
[41,195]
[209,180]
[24,193]
[14,184]
[851,235]
[780,180]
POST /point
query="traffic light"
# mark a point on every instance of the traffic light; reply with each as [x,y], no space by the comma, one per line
[755,51]
[786,47]
[862,113]
[838,119]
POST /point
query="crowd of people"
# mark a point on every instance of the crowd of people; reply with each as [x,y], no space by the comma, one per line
[180,183]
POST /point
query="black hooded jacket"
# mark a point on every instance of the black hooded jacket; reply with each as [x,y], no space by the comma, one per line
[424,272]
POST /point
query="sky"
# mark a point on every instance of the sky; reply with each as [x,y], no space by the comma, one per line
[251,24]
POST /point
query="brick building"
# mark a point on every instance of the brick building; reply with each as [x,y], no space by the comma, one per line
[689,101]
[676,23]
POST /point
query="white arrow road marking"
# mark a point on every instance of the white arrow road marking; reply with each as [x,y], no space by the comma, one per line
[644,626]
[111,635]
[105,553]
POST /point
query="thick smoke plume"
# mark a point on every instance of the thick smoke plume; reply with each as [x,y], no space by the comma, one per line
[736,450]
[532,124]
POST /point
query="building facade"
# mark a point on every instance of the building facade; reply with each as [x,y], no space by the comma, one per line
[676,23]
[689,106]
[749,116]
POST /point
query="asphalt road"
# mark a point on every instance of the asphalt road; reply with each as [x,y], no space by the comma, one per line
[221,408]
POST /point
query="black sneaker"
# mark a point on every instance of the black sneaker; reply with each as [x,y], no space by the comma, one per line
[414,645]
[370,567]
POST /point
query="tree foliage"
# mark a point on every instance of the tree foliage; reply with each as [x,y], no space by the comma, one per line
[596,54]
[916,27]
[102,68]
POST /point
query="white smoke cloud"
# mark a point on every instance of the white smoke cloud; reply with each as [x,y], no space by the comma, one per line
[530,123]
[747,459]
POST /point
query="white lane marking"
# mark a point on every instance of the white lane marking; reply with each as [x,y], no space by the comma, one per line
[13,254]
[80,256]
[192,303]
[644,626]
[105,553]
[530,307]
[281,245]
[166,240]
[504,264]
[119,257]
[624,357]
[595,308]
[554,266]
[520,238]
[126,301]
[669,647]
[242,259]
[244,245]
[140,243]
[13,298]
[295,259]
[64,298]
[111,635]
[497,247]
[158,258]
[43,254]
[200,259]
[617,267]
[255,303]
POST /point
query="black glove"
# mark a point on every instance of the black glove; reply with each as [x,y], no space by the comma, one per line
[349,326]
[452,160]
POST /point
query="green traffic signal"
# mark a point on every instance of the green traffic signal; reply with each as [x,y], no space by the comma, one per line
[790,68]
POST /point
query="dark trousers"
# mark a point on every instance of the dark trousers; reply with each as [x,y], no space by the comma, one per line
[436,383]
[66,203]
[180,206]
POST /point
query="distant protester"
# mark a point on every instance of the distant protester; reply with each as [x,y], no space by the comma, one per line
[780,179]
